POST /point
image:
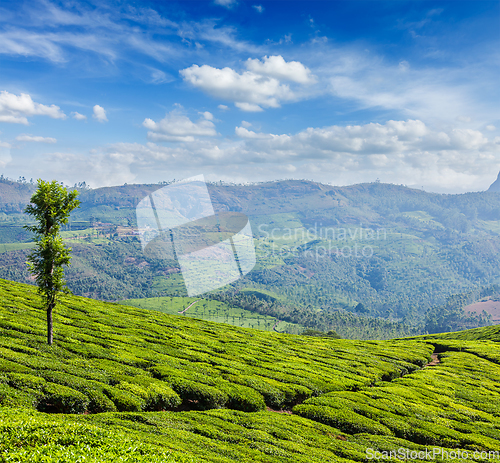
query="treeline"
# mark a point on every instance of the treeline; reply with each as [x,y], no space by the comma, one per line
[345,324]
[452,317]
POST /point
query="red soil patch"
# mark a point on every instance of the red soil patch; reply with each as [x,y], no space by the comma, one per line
[435,360]
[491,307]
[288,412]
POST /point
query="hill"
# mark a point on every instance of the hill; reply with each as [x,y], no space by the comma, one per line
[126,384]
[419,249]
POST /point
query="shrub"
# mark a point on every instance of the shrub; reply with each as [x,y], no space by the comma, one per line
[345,420]
[134,389]
[243,398]
[10,397]
[161,397]
[124,400]
[99,403]
[24,381]
[199,395]
[62,399]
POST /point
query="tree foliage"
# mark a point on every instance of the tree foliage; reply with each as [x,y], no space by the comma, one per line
[51,206]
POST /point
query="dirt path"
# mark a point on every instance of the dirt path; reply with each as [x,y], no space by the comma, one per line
[287,412]
[435,360]
[190,305]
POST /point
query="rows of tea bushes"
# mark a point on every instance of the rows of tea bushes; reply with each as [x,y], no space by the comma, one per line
[122,384]
[455,404]
[109,357]
[220,436]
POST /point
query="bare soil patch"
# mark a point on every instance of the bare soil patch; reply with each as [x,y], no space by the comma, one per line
[491,307]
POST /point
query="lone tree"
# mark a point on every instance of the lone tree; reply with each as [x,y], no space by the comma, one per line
[51,206]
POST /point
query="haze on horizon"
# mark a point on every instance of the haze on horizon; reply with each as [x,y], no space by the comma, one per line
[336,92]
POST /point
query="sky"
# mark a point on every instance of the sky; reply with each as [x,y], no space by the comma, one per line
[339,92]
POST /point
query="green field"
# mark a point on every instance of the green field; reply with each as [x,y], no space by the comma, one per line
[205,309]
[123,384]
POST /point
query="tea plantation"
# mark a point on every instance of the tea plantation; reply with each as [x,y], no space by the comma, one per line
[123,384]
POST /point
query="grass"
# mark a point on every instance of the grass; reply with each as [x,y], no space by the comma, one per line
[124,384]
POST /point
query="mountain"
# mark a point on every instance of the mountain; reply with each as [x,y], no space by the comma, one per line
[495,186]
[125,384]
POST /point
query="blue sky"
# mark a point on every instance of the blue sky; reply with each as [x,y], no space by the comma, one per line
[334,91]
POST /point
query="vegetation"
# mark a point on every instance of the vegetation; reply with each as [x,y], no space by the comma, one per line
[216,311]
[126,384]
[429,247]
[51,206]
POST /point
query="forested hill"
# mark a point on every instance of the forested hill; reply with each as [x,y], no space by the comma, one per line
[372,202]
[419,250]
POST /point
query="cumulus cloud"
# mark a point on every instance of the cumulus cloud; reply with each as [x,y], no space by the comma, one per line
[491,128]
[179,128]
[17,108]
[408,152]
[78,116]
[208,115]
[223,107]
[276,66]
[243,132]
[258,8]
[99,114]
[35,138]
[252,90]
[393,138]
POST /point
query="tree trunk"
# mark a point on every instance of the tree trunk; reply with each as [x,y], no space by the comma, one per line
[49,324]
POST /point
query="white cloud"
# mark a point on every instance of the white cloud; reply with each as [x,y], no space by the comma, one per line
[160,77]
[243,132]
[402,152]
[35,138]
[17,108]
[246,124]
[491,128]
[248,107]
[179,128]
[250,91]
[208,115]
[258,8]
[78,116]
[434,94]
[99,114]
[223,107]
[226,3]
[276,66]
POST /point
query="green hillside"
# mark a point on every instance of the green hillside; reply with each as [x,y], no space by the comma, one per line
[420,248]
[126,384]
[215,311]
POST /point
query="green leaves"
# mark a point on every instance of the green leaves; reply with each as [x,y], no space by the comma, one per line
[51,206]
